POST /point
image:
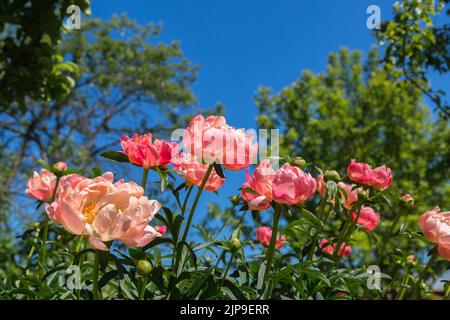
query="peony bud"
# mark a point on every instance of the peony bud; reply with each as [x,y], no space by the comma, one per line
[411,260]
[332,175]
[144,267]
[37,225]
[362,194]
[60,167]
[235,200]
[407,199]
[299,162]
[236,243]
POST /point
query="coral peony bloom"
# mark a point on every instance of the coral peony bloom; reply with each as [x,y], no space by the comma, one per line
[321,185]
[213,140]
[264,234]
[104,211]
[349,194]
[435,226]
[41,185]
[161,229]
[257,191]
[327,248]
[291,185]
[147,154]
[194,172]
[359,172]
[367,218]
[379,178]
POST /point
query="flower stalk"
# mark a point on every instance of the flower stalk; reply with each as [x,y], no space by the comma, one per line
[270,252]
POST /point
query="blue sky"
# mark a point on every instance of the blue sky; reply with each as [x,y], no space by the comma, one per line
[243,44]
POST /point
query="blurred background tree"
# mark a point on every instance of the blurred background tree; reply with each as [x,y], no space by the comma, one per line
[415,42]
[363,111]
[76,92]
[126,83]
[382,110]
[30,64]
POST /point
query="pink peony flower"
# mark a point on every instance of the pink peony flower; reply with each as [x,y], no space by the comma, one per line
[260,195]
[264,234]
[104,211]
[194,172]
[161,229]
[147,154]
[213,140]
[41,185]
[367,218]
[349,194]
[359,172]
[379,178]
[292,186]
[327,248]
[435,226]
[321,185]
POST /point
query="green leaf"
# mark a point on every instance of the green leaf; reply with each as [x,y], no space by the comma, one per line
[115,156]
[261,271]
[310,216]
[106,278]
[219,170]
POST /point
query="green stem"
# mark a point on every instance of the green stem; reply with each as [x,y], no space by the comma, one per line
[183,209]
[423,273]
[191,213]
[197,197]
[30,254]
[269,257]
[95,275]
[404,283]
[387,238]
[144,178]
[447,292]
[144,285]
[318,231]
[220,230]
[347,233]
[45,231]
[44,242]
[340,237]
[227,269]
[58,178]
[218,260]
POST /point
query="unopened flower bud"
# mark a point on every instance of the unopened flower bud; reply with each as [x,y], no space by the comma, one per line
[36,225]
[362,194]
[332,175]
[207,261]
[408,199]
[236,243]
[299,162]
[58,237]
[411,260]
[235,200]
[144,267]
[59,167]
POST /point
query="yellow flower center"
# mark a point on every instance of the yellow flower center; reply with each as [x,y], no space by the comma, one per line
[88,212]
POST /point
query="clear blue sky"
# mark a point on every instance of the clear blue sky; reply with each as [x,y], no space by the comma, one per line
[243,44]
